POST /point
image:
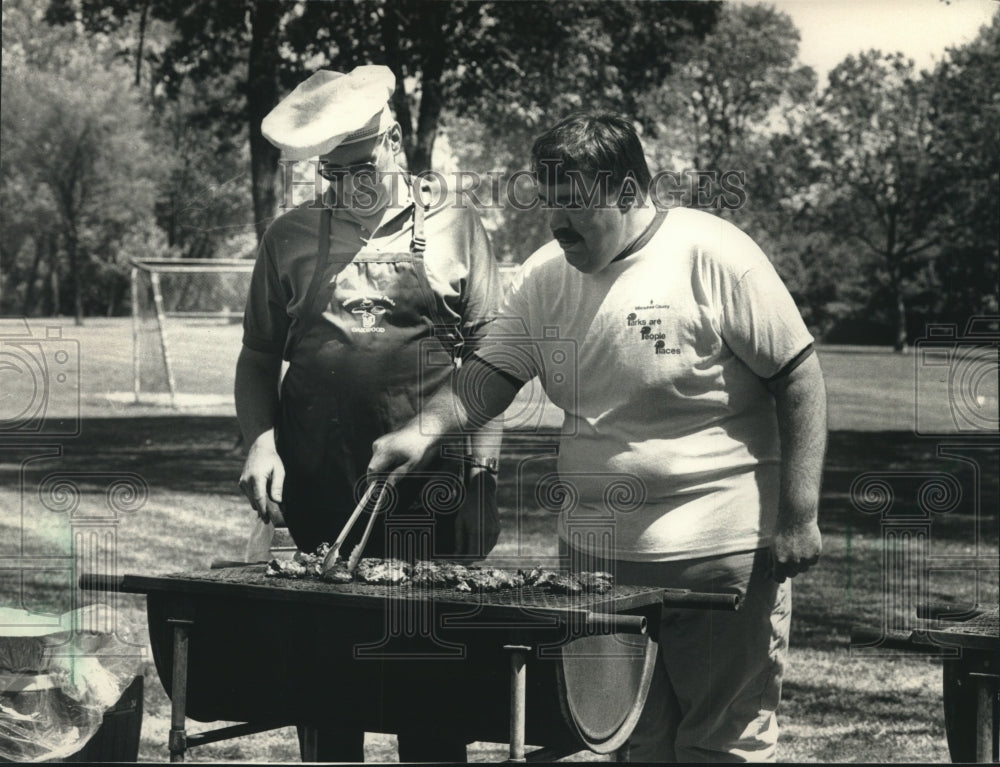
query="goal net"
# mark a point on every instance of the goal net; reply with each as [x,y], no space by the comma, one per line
[186,329]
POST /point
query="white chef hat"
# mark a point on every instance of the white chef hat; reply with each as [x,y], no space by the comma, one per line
[331,109]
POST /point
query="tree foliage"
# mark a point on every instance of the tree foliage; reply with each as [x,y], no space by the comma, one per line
[459,56]
[74,151]
[884,164]
[132,127]
[541,61]
[733,83]
[965,152]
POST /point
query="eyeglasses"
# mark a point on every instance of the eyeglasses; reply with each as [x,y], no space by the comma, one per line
[335,172]
[332,172]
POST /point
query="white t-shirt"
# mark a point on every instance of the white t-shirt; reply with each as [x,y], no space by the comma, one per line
[669,447]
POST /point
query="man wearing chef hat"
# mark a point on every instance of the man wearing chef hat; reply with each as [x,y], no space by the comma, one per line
[372,300]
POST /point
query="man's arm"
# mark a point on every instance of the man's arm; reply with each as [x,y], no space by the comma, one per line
[256,393]
[800,401]
[477,525]
[476,395]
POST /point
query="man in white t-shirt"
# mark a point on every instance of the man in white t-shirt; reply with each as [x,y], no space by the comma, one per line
[687,377]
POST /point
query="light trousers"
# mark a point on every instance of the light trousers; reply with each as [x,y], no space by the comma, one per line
[717,685]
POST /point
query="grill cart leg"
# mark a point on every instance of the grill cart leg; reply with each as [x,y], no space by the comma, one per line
[178,685]
[310,743]
[518,657]
[985,685]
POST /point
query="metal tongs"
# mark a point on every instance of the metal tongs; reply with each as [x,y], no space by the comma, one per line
[330,560]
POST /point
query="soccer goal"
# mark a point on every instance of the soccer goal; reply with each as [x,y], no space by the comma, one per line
[186,317]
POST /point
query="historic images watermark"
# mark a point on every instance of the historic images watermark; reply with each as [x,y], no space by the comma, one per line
[965,362]
[40,376]
[40,409]
[302,182]
[955,399]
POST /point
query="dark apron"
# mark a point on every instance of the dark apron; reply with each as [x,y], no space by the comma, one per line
[370,346]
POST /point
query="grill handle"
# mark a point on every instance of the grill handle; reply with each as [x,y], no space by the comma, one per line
[943,611]
[100,582]
[885,639]
[614,623]
[695,600]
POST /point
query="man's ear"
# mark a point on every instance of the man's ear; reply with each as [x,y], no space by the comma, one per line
[395,134]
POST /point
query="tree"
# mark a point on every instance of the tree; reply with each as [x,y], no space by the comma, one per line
[443,54]
[540,61]
[731,85]
[872,143]
[212,38]
[732,115]
[73,142]
[965,132]
[203,184]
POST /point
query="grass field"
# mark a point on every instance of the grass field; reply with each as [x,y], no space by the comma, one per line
[839,705]
[870,389]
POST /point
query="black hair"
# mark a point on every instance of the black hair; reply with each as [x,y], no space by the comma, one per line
[591,144]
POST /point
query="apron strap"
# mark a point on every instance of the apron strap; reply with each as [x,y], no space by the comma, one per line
[322,257]
[418,242]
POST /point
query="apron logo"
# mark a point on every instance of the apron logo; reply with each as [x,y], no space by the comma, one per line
[369,311]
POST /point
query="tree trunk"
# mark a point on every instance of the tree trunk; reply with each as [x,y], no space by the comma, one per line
[900,345]
[74,274]
[54,292]
[28,307]
[400,102]
[262,96]
[431,99]
[895,261]
[142,40]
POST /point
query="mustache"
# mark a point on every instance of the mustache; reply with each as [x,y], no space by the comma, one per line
[564,234]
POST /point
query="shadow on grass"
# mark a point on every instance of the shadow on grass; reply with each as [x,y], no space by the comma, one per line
[197,454]
[855,723]
[200,454]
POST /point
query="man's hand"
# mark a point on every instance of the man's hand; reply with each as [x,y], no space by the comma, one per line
[263,479]
[396,454]
[794,549]
[477,526]
[256,394]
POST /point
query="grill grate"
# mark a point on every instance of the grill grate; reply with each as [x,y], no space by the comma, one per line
[526,596]
[987,625]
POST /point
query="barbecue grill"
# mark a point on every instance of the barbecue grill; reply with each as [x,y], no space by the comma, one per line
[969,641]
[565,672]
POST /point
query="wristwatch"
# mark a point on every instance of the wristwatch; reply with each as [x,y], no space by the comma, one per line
[481,462]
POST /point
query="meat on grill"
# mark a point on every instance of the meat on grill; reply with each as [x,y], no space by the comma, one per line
[302,565]
[286,568]
[489,580]
[382,572]
[596,583]
[338,573]
[437,574]
[426,573]
[592,583]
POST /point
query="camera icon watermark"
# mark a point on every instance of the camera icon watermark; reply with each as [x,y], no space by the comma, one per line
[956,379]
[40,381]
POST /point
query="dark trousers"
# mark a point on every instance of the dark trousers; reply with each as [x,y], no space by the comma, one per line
[348,745]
